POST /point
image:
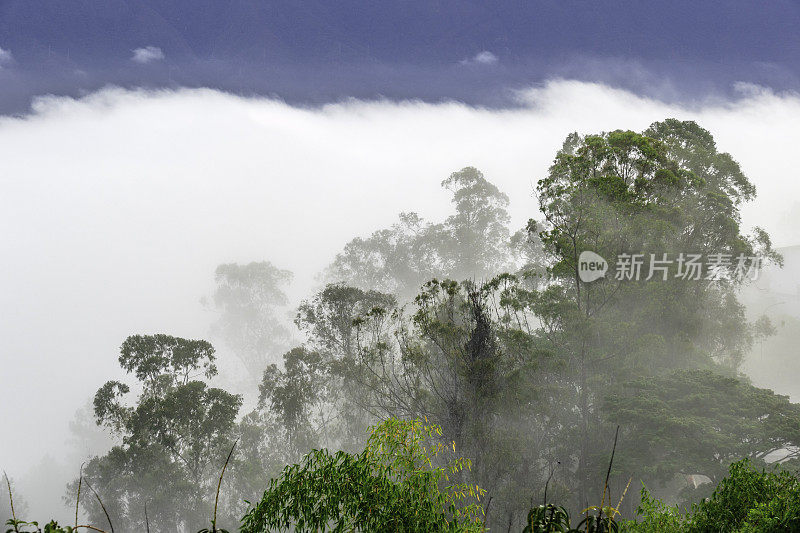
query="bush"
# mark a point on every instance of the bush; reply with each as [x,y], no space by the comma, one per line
[654,517]
[750,500]
[393,485]
[747,500]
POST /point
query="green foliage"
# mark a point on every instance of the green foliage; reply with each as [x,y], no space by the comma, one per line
[547,518]
[551,519]
[747,500]
[393,485]
[653,516]
[750,500]
[697,421]
[172,438]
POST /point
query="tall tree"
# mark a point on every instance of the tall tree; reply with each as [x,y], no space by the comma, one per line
[174,438]
[249,299]
[459,359]
[624,195]
[334,323]
[473,243]
[292,392]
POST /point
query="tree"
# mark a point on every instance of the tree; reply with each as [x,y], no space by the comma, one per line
[476,235]
[665,191]
[292,392]
[762,330]
[454,361]
[330,318]
[473,243]
[174,438]
[249,298]
[698,422]
[334,324]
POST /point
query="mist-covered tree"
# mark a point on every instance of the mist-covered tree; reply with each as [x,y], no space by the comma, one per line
[698,422]
[249,299]
[452,360]
[629,193]
[292,392]
[473,243]
[330,318]
[619,194]
[332,321]
[175,436]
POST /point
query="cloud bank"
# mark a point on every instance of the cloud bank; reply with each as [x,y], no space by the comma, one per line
[117,207]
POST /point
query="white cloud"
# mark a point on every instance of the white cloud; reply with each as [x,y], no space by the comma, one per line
[118,206]
[6,57]
[148,54]
[481,58]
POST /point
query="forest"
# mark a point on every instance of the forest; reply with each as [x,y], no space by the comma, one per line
[464,375]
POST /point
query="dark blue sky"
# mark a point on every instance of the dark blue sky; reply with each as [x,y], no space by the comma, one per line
[316,50]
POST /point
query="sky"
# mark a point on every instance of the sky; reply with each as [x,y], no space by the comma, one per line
[319,51]
[133,161]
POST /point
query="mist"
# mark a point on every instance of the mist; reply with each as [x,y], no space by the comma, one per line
[117,207]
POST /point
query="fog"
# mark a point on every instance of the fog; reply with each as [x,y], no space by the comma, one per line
[117,207]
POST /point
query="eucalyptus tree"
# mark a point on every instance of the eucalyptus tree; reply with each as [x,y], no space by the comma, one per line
[333,321]
[663,193]
[475,242]
[459,357]
[292,392]
[174,436]
[250,299]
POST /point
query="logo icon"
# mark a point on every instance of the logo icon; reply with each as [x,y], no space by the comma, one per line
[591,266]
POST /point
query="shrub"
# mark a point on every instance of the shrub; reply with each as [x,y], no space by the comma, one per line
[393,485]
[750,500]
[747,500]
